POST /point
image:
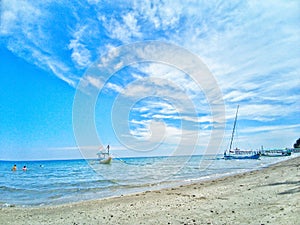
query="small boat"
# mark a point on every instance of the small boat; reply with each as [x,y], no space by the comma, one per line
[106,161]
[237,153]
[104,157]
[276,152]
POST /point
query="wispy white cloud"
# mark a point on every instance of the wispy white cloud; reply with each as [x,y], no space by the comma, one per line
[270,128]
[18,16]
[24,28]
[164,15]
[124,29]
[66,148]
[270,136]
[93,80]
[171,136]
[251,47]
[114,87]
[80,54]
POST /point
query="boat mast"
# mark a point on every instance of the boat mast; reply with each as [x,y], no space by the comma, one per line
[234,127]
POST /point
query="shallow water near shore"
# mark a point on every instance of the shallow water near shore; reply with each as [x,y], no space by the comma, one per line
[64,181]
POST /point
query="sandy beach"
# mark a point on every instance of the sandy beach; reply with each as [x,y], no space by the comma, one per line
[268,196]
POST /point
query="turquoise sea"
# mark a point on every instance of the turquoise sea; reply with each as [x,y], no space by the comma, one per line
[64,181]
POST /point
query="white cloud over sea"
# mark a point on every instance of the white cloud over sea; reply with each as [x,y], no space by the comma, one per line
[251,48]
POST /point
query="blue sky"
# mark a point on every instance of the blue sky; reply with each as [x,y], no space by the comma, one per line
[48,50]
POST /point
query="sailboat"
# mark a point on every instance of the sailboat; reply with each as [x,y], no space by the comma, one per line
[104,157]
[237,153]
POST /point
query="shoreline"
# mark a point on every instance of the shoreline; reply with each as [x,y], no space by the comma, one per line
[267,195]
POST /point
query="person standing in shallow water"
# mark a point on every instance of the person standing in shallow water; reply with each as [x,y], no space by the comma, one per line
[24,168]
[14,168]
[108,148]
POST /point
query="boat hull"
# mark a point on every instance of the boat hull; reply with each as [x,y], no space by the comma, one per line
[275,155]
[255,156]
[106,161]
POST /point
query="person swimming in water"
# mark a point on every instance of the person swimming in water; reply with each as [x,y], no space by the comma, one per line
[14,168]
[24,168]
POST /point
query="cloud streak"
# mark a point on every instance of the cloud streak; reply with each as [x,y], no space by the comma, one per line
[251,47]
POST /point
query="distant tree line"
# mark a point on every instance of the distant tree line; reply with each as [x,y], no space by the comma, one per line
[297,144]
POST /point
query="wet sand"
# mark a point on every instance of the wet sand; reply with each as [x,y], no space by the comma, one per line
[268,196]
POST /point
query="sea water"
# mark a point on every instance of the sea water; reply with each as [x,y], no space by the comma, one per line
[65,181]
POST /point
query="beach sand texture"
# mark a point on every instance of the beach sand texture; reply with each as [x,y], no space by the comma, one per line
[268,196]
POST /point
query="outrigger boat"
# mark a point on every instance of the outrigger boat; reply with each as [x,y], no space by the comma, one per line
[276,152]
[238,153]
[104,157]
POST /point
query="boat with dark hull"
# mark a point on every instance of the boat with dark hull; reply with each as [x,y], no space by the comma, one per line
[237,153]
[241,154]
